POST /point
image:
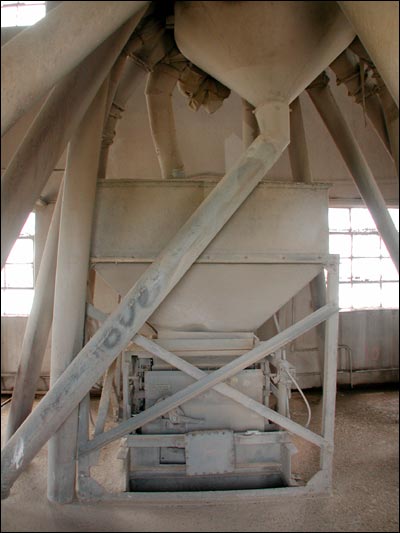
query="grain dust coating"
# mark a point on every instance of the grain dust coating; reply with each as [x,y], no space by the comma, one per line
[365,488]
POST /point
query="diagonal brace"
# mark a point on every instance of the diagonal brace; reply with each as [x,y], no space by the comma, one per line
[230,392]
[210,380]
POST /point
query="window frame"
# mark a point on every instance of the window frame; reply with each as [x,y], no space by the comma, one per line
[353,281]
[31,263]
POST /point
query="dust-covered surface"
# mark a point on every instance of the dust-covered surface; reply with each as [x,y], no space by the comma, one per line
[365,495]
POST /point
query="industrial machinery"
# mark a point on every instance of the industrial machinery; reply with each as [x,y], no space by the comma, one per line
[260,260]
[199,263]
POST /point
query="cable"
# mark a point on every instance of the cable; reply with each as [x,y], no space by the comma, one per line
[302,395]
[152,327]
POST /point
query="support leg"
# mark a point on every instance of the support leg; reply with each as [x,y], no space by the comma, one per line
[330,371]
[37,329]
[71,281]
[318,298]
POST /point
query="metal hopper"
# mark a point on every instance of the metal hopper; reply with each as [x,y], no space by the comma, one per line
[262,50]
[242,278]
[268,52]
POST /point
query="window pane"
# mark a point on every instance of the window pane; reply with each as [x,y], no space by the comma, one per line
[29,226]
[31,14]
[388,270]
[390,295]
[22,13]
[340,244]
[366,245]
[339,219]
[345,296]
[361,220]
[19,275]
[345,270]
[366,269]
[366,295]
[8,16]
[394,213]
[22,252]
[16,301]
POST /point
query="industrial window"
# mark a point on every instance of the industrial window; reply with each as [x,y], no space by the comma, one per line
[18,274]
[21,13]
[368,277]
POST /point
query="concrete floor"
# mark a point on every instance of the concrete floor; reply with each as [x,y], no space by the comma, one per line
[365,495]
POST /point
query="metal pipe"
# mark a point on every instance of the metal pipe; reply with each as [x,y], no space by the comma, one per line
[146,295]
[250,130]
[160,85]
[349,351]
[130,76]
[343,137]
[70,285]
[347,71]
[37,329]
[298,153]
[124,75]
[47,138]
[32,62]
[208,381]
[377,25]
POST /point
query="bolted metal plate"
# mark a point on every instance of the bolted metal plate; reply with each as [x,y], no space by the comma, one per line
[209,452]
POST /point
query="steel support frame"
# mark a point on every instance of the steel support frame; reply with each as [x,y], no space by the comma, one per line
[320,483]
[146,295]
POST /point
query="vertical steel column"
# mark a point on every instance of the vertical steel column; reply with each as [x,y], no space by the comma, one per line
[37,329]
[330,371]
[71,279]
[318,298]
[298,153]
[343,137]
